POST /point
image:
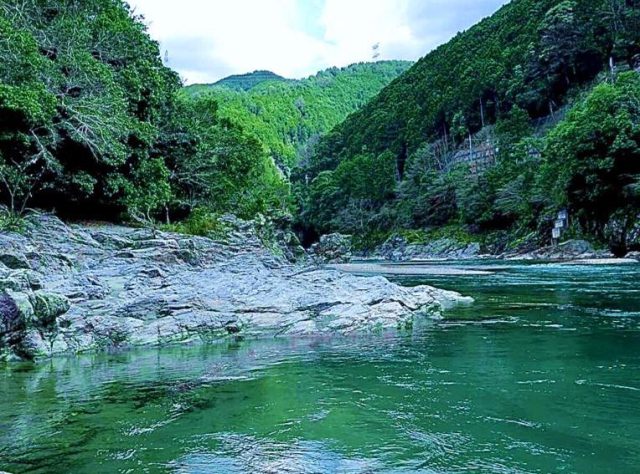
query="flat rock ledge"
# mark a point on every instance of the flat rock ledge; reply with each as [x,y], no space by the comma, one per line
[69,289]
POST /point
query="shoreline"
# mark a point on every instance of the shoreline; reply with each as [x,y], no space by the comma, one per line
[407,269]
[453,267]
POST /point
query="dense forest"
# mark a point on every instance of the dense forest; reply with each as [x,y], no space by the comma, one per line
[532,110]
[92,125]
[289,116]
[240,82]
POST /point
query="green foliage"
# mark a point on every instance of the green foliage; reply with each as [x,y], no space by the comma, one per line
[91,119]
[349,197]
[201,222]
[369,239]
[216,164]
[149,191]
[82,97]
[31,102]
[592,159]
[11,221]
[453,231]
[491,94]
[244,82]
[513,126]
[427,195]
[288,116]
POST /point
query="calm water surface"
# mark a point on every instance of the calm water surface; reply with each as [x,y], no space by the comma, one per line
[542,374]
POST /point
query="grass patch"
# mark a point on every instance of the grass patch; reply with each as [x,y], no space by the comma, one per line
[373,239]
[200,222]
[12,222]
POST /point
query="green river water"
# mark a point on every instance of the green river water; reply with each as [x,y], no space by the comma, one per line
[541,374]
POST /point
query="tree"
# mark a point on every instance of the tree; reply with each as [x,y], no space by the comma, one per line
[86,93]
[26,111]
[513,127]
[216,164]
[592,158]
[149,191]
[20,178]
[560,41]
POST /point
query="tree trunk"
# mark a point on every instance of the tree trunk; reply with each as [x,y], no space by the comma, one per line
[12,203]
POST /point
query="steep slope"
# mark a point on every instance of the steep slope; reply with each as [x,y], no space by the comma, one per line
[391,163]
[520,55]
[286,116]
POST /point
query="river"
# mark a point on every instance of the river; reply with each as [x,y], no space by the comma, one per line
[541,374]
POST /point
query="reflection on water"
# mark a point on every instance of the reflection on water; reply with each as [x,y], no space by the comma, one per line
[541,374]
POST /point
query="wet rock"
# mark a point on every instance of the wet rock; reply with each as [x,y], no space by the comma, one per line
[633,255]
[25,314]
[9,315]
[110,241]
[132,287]
[27,320]
[576,247]
[19,280]
[14,261]
[48,306]
[291,247]
[569,250]
[332,248]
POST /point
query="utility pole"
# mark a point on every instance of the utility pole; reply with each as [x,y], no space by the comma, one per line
[612,67]
[376,51]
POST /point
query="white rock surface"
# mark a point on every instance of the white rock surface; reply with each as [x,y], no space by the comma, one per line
[132,287]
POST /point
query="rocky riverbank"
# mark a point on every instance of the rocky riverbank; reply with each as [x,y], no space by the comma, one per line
[398,249]
[69,288]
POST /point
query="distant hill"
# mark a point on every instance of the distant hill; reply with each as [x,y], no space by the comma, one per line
[246,82]
[288,115]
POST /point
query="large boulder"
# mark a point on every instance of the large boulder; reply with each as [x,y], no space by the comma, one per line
[290,246]
[10,317]
[393,249]
[621,234]
[633,255]
[101,287]
[47,307]
[574,248]
[397,248]
[332,248]
[26,320]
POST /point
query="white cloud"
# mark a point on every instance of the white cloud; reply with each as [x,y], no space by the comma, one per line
[353,27]
[209,39]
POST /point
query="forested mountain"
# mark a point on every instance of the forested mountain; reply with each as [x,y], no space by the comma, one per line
[286,115]
[500,91]
[91,123]
[245,82]
[533,110]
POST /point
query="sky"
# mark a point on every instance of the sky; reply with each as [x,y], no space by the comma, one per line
[206,40]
